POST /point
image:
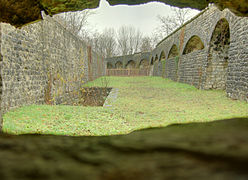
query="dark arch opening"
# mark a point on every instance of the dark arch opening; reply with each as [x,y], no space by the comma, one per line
[162,56]
[217,63]
[119,65]
[173,52]
[130,64]
[156,58]
[143,64]
[194,44]
[152,61]
[109,66]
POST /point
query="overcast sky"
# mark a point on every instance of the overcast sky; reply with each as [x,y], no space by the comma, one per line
[143,16]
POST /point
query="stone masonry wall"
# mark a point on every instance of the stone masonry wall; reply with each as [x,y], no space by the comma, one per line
[137,58]
[193,67]
[222,63]
[44,63]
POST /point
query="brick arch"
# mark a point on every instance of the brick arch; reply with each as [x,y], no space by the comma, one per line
[119,65]
[217,62]
[109,65]
[130,64]
[173,52]
[162,56]
[144,63]
[194,44]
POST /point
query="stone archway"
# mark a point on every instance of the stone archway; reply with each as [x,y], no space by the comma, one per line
[217,62]
[130,64]
[156,66]
[143,64]
[162,56]
[156,58]
[119,65]
[151,67]
[172,64]
[173,52]
[109,66]
[163,63]
[152,61]
[194,44]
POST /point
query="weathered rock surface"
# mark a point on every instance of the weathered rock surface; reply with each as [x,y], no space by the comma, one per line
[20,12]
[215,150]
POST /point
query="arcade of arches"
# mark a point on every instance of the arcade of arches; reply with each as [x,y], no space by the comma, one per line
[211,56]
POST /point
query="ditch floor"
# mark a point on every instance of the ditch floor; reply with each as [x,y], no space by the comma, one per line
[94,96]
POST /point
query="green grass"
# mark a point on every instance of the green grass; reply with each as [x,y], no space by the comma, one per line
[142,102]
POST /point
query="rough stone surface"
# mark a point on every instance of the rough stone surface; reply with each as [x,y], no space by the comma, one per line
[20,12]
[44,63]
[221,64]
[215,150]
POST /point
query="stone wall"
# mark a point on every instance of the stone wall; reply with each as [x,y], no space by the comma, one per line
[122,61]
[209,52]
[44,63]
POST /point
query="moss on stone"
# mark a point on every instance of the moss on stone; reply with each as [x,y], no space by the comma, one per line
[58,6]
[19,12]
[196,4]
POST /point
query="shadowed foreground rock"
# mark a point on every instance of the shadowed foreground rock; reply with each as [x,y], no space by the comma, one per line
[20,12]
[216,150]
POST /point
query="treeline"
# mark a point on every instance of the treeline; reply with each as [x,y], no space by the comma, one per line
[124,40]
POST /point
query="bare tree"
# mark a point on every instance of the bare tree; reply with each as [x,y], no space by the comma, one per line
[104,43]
[75,22]
[108,36]
[129,40]
[135,38]
[169,23]
[146,44]
[122,39]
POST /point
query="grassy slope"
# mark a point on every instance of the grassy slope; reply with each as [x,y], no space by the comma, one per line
[142,102]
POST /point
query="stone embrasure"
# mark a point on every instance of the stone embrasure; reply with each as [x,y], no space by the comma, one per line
[20,12]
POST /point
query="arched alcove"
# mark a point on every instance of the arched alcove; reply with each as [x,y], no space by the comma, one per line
[156,58]
[143,64]
[109,66]
[194,43]
[152,61]
[130,64]
[173,52]
[119,65]
[162,56]
[217,63]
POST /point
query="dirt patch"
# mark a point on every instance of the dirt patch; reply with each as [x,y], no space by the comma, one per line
[94,96]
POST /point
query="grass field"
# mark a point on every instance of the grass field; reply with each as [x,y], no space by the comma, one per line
[142,102]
